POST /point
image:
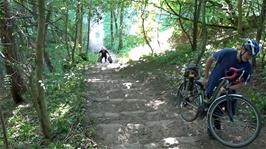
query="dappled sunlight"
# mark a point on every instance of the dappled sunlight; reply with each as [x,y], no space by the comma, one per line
[94,80]
[125,134]
[20,124]
[160,44]
[128,85]
[155,104]
[170,142]
[119,64]
[60,111]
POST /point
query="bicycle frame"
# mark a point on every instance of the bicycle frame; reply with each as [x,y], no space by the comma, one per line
[206,103]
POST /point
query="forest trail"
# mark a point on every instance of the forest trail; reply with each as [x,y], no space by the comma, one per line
[130,112]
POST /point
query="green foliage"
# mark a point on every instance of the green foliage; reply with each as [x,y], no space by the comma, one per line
[259,99]
[182,54]
[129,41]
[66,93]
[66,100]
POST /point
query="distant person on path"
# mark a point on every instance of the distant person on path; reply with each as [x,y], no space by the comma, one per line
[103,53]
[224,59]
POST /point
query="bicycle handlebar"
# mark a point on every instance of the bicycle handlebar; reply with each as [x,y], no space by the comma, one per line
[237,75]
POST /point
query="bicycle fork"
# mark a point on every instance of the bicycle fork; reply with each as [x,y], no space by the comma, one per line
[229,107]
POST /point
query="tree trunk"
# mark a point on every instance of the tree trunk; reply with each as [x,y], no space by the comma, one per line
[80,25]
[43,115]
[111,28]
[195,24]
[66,32]
[260,30]
[76,33]
[120,41]
[89,26]
[2,122]
[46,54]
[116,24]
[205,33]
[8,40]
[158,29]
[146,38]
[240,26]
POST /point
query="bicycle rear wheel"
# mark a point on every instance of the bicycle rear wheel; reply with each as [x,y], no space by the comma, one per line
[234,121]
[188,106]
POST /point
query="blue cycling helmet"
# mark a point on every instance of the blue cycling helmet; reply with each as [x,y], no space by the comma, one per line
[252,47]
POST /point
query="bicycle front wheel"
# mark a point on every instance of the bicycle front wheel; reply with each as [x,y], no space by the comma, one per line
[188,106]
[233,120]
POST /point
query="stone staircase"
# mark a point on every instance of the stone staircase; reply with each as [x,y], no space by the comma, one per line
[130,114]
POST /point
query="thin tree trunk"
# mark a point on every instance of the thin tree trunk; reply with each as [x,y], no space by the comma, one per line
[116,23]
[3,128]
[120,41]
[66,33]
[158,28]
[44,118]
[197,8]
[240,26]
[181,24]
[8,40]
[76,33]
[46,54]
[111,28]
[205,33]
[143,28]
[89,26]
[260,30]
[80,25]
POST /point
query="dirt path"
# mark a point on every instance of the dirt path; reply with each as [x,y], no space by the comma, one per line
[132,113]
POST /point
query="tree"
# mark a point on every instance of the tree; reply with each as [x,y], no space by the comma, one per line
[205,33]
[240,26]
[197,8]
[89,25]
[46,54]
[65,29]
[143,18]
[80,25]
[120,37]
[2,122]
[7,24]
[112,28]
[40,98]
[261,29]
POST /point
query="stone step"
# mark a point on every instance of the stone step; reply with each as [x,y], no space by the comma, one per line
[175,143]
[132,116]
[116,133]
[117,107]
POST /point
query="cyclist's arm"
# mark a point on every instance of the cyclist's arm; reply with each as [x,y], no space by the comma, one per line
[208,65]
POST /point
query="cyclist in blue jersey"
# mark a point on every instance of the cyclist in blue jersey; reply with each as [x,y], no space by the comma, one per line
[226,58]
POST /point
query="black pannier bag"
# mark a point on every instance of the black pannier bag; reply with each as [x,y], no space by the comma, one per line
[191,74]
[110,60]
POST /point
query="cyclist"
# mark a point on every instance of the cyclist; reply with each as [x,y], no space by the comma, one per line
[104,53]
[226,58]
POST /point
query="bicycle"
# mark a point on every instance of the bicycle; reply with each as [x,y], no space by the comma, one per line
[232,119]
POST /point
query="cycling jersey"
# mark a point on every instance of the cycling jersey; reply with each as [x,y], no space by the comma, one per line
[226,58]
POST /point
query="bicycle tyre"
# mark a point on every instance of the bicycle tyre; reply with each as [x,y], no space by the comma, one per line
[243,106]
[188,109]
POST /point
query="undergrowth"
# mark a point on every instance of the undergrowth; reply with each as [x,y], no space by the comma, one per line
[66,100]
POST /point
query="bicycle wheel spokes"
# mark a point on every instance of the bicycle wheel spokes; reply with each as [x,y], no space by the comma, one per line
[237,129]
[188,106]
[189,109]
